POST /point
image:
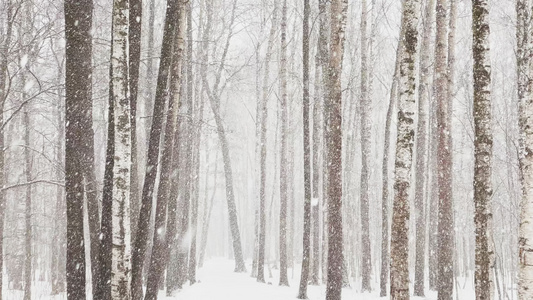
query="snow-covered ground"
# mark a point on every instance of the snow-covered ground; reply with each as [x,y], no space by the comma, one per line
[217,281]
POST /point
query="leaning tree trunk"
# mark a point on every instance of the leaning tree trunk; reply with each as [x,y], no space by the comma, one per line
[339,10]
[384,270]
[302,293]
[482,151]
[162,238]
[141,238]
[445,215]
[78,23]
[422,149]
[366,128]
[214,100]
[399,272]
[121,234]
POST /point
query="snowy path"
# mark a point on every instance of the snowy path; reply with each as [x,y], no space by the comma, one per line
[217,281]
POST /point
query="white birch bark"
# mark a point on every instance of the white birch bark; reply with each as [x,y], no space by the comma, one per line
[399,271]
[524,69]
[121,249]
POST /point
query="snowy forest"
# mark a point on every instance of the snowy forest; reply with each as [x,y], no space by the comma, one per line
[266,149]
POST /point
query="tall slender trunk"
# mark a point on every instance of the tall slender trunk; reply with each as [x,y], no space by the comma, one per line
[164,236]
[150,72]
[10,17]
[283,279]
[482,114]
[78,23]
[58,246]
[263,146]
[134,34]
[196,135]
[339,10]
[366,128]
[422,149]
[399,272]
[524,70]
[445,215]
[120,219]
[184,235]
[141,238]
[323,42]
[302,293]
[385,201]
[214,100]
[28,208]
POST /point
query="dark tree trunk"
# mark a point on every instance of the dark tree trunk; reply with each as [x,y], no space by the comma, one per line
[334,150]
[162,239]
[103,288]
[78,21]
[135,22]
[482,115]
[141,237]
[445,215]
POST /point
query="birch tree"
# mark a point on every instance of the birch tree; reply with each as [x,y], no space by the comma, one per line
[121,250]
[524,70]
[399,272]
[482,150]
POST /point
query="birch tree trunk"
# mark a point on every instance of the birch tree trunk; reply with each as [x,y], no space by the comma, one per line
[482,151]
[283,279]
[339,9]
[524,70]
[121,237]
[399,272]
[422,149]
